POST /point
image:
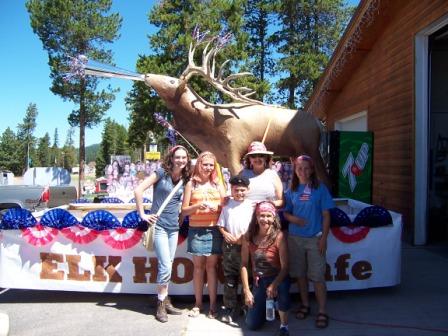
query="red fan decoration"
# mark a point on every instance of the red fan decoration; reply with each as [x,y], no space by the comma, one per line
[122,238]
[39,235]
[79,234]
[351,233]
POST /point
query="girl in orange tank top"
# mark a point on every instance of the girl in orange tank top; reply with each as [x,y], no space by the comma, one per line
[202,202]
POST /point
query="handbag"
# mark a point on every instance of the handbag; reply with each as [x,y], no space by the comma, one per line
[148,236]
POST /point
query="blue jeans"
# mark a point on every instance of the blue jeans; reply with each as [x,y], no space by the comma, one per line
[165,244]
[256,316]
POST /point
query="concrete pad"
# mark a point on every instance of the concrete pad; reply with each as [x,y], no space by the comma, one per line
[4,324]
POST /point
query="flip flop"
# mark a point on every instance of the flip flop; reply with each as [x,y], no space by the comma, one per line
[303,312]
[194,312]
[322,320]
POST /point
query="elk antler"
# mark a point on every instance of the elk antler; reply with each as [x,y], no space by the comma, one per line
[207,71]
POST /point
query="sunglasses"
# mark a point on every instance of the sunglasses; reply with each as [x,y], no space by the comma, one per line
[257,155]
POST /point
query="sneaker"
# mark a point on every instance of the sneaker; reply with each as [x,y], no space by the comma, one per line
[283,332]
[227,316]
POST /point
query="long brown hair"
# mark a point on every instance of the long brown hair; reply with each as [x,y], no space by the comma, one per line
[168,162]
[254,228]
[295,182]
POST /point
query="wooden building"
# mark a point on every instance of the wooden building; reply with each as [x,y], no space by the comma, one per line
[389,75]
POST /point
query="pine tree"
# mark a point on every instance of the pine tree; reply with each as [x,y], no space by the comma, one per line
[68,152]
[43,153]
[25,134]
[71,28]
[176,20]
[258,21]
[10,158]
[308,33]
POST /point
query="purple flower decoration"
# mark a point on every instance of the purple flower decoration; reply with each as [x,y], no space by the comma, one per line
[223,39]
[170,131]
[197,35]
[77,67]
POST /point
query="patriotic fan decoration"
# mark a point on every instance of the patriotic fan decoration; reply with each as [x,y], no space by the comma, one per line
[39,235]
[122,238]
[111,200]
[17,218]
[100,220]
[343,228]
[80,234]
[58,218]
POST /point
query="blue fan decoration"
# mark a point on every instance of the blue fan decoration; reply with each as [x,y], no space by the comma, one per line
[100,220]
[58,219]
[133,221]
[339,218]
[145,200]
[81,200]
[373,216]
[17,218]
[111,200]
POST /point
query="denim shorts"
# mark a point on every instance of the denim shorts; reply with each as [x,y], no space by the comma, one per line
[204,241]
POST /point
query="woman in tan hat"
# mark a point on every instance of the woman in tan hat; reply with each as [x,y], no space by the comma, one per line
[265,184]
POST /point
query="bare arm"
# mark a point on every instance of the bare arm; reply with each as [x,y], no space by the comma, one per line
[294,219]
[325,230]
[278,185]
[248,297]
[138,193]
[271,290]
[188,209]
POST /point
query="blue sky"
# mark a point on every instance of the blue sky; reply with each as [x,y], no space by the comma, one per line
[25,70]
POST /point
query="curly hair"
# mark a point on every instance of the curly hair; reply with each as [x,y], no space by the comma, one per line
[168,162]
[254,228]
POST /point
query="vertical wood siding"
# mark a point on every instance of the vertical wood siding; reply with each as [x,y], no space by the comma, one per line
[384,86]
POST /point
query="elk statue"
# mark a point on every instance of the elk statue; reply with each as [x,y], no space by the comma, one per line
[228,129]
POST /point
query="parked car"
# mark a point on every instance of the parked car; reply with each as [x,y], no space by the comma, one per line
[35,197]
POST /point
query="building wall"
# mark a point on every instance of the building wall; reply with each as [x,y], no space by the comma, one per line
[384,86]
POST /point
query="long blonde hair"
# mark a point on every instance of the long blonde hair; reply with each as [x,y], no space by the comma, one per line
[195,177]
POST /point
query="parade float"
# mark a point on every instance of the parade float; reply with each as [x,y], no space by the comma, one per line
[97,247]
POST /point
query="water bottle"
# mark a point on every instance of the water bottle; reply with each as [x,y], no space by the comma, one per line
[270,309]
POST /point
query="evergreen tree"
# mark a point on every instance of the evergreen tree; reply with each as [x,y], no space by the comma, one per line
[55,159]
[71,28]
[308,33]
[176,20]
[114,142]
[43,153]
[68,153]
[10,158]
[258,20]
[25,134]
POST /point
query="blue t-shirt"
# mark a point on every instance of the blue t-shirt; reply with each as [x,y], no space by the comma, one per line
[169,218]
[309,204]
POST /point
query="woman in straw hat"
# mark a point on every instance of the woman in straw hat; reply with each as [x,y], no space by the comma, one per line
[265,184]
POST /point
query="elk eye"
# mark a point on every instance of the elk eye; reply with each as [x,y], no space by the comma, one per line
[172,81]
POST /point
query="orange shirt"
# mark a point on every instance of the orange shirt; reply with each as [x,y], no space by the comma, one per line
[205,217]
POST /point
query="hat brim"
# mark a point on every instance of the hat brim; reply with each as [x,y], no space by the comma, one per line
[260,152]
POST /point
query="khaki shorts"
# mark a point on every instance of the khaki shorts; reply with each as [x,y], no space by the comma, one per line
[305,259]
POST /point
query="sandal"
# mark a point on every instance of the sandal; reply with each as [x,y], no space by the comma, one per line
[212,314]
[194,312]
[303,312]
[322,320]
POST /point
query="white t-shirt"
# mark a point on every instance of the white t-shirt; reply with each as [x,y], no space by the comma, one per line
[261,187]
[236,216]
